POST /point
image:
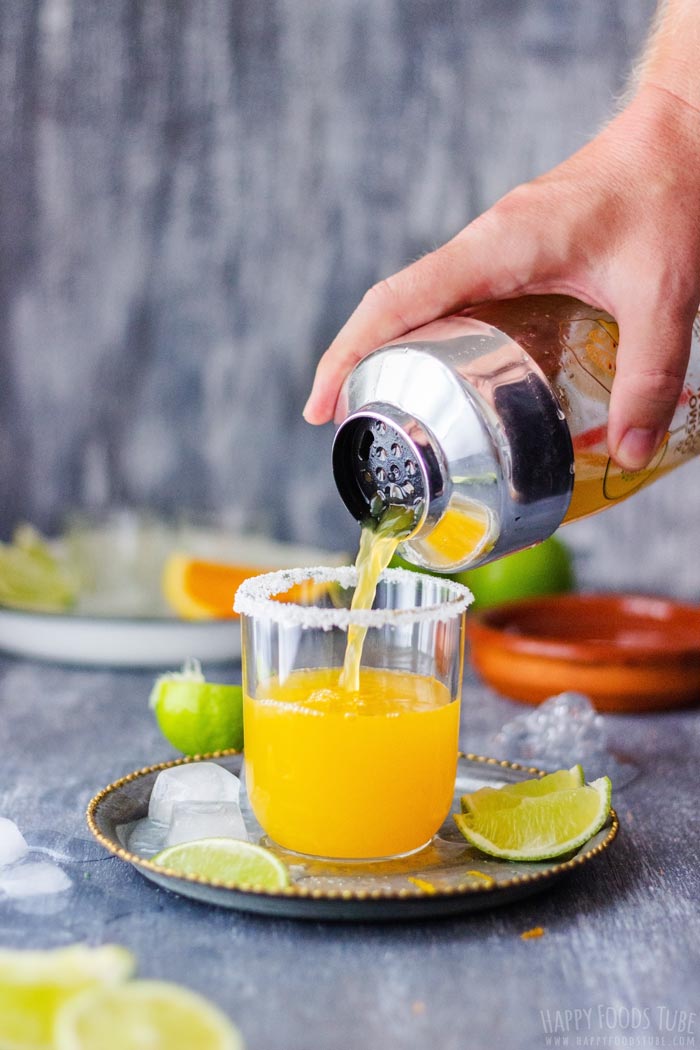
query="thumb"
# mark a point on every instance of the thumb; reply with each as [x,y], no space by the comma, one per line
[652,360]
[468,269]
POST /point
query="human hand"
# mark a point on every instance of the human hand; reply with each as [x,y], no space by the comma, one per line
[617,225]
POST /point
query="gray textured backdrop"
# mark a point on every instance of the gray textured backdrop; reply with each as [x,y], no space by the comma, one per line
[193,195]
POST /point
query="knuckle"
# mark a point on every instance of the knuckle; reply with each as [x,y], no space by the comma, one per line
[517,206]
[383,298]
[654,384]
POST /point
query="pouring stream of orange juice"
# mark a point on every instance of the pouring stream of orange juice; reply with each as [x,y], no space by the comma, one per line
[330,751]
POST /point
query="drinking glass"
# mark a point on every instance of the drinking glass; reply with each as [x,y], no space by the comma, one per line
[347,773]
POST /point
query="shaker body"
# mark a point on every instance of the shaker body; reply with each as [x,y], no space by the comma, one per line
[502,411]
[576,347]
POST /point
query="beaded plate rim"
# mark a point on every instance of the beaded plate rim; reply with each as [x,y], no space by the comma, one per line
[468,889]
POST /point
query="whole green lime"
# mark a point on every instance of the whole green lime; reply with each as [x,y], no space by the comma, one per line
[199,717]
[546,568]
[397,562]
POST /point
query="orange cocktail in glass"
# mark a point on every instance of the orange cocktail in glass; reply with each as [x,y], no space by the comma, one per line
[357,770]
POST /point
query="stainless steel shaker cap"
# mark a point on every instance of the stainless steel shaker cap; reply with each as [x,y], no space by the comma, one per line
[383,457]
[458,415]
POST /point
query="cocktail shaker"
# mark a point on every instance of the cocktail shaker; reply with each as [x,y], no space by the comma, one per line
[489,426]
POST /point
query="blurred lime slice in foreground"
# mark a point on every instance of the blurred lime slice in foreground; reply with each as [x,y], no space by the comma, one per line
[35,984]
[537,827]
[144,1014]
[509,796]
[232,861]
[32,577]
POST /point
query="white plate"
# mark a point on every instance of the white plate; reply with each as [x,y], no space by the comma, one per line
[117,641]
[121,620]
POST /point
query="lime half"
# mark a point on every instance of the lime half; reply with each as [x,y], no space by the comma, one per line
[538,827]
[232,861]
[140,1014]
[34,985]
[509,796]
[196,716]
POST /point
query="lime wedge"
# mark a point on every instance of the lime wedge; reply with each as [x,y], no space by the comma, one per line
[35,984]
[153,1014]
[226,860]
[510,795]
[538,827]
[196,716]
[31,577]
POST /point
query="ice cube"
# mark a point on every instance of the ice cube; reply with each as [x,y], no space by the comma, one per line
[123,832]
[203,820]
[12,842]
[196,782]
[146,837]
[32,879]
[562,731]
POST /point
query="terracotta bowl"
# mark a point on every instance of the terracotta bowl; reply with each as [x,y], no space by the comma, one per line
[626,652]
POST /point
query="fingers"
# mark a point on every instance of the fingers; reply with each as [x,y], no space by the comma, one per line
[651,364]
[468,269]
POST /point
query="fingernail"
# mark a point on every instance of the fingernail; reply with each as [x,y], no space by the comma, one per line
[637,447]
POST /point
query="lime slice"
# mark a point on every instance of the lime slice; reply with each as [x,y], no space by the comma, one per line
[31,577]
[35,984]
[196,716]
[539,827]
[143,1014]
[226,860]
[510,795]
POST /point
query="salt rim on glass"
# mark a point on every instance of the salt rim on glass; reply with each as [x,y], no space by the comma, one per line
[255,599]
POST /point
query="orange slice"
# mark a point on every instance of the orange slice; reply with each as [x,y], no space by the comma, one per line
[198,589]
[203,590]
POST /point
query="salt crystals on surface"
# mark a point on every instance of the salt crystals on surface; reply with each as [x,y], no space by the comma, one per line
[20,876]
